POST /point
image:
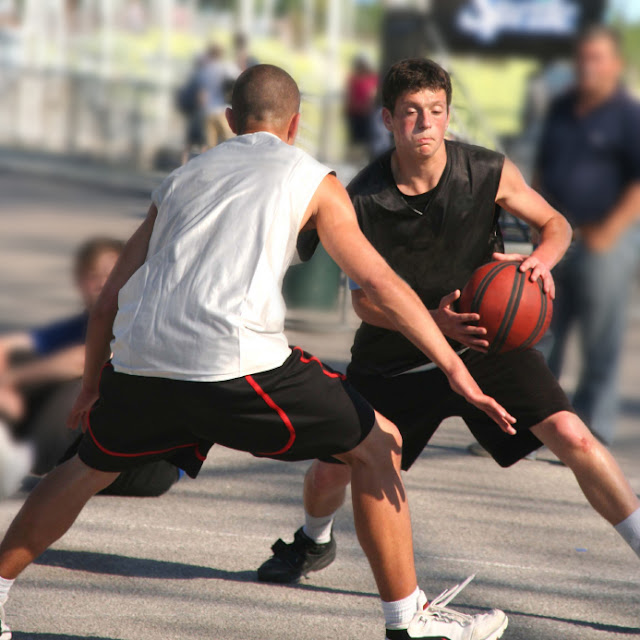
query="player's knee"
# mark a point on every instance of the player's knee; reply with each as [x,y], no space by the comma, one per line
[93,480]
[382,445]
[324,477]
[572,434]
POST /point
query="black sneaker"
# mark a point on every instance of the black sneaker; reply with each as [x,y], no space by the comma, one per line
[292,561]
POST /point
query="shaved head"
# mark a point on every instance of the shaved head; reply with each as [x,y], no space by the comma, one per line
[264,96]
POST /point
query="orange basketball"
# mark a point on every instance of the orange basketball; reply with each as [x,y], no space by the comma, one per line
[515,311]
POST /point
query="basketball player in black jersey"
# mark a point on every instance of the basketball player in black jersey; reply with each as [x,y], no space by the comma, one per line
[430,207]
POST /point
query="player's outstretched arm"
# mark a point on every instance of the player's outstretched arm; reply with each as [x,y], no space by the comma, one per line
[461,327]
[519,199]
[340,234]
[100,328]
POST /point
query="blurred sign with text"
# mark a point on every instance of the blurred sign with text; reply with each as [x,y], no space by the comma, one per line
[542,28]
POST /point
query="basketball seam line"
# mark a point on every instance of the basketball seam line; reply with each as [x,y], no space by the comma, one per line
[484,284]
[510,313]
[541,318]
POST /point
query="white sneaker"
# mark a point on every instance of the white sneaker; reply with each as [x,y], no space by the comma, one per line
[436,620]
[5,632]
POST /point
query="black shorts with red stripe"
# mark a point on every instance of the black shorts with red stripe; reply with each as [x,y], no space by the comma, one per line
[299,411]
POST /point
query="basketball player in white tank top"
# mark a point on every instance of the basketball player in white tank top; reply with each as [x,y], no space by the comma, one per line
[195,306]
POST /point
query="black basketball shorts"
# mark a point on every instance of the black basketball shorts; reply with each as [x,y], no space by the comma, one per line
[299,411]
[418,402]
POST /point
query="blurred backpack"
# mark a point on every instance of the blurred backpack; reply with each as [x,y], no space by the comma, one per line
[187,97]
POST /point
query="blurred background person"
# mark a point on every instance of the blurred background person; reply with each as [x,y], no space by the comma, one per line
[40,377]
[214,80]
[588,166]
[360,107]
[243,57]
[188,103]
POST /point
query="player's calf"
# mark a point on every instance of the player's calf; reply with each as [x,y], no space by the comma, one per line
[597,472]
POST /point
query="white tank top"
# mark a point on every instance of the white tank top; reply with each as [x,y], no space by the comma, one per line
[207,303]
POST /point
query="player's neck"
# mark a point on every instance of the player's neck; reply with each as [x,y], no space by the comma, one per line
[416,175]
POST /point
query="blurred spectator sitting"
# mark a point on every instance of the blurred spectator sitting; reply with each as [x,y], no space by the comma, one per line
[360,106]
[40,377]
[214,79]
[588,166]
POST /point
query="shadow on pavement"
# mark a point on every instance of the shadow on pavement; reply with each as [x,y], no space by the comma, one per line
[598,626]
[17,635]
[116,565]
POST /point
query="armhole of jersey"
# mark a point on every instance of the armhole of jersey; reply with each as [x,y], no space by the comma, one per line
[307,163]
[501,159]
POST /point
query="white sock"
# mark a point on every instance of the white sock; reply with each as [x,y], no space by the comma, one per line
[5,585]
[629,529]
[398,614]
[318,529]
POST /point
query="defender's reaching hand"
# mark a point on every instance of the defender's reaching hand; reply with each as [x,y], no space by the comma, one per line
[80,410]
[462,383]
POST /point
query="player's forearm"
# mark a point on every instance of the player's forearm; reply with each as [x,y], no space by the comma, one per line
[104,312]
[375,316]
[98,351]
[555,238]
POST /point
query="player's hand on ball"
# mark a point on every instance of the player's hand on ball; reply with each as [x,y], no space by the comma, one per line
[81,407]
[538,269]
[462,383]
[460,327]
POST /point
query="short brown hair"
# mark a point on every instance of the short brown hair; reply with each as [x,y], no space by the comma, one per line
[264,94]
[414,74]
[91,250]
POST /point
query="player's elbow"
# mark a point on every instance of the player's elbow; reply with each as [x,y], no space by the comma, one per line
[563,227]
[360,304]
[379,286]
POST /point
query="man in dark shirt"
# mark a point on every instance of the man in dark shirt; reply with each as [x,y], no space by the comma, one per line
[429,207]
[589,168]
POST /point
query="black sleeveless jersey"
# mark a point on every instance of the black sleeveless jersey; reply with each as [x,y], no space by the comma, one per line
[436,250]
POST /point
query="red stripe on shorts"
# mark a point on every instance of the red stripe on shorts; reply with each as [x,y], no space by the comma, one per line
[144,453]
[283,416]
[331,374]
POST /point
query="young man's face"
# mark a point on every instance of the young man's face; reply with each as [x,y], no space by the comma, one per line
[91,282]
[419,122]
